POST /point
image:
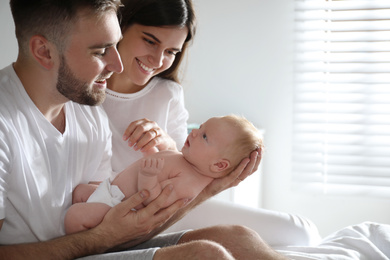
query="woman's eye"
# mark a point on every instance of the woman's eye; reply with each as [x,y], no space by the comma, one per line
[149,41]
[174,53]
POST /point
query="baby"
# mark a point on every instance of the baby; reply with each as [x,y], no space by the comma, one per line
[210,152]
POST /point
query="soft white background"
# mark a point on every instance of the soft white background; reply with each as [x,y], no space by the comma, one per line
[241,62]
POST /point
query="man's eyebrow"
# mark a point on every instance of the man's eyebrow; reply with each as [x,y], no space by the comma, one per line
[105,45]
[102,46]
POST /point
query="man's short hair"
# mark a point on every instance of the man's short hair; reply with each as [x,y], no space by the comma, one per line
[52,19]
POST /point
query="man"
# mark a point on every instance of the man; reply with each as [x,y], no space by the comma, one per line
[53,137]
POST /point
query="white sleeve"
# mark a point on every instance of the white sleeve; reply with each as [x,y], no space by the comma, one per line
[105,168]
[5,156]
[177,121]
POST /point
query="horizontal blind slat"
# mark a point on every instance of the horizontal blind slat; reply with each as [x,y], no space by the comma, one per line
[349,15]
[342,5]
[341,131]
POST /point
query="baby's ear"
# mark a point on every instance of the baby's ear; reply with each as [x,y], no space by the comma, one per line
[220,165]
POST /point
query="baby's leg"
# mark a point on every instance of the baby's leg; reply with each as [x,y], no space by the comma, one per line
[82,192]
[83,216]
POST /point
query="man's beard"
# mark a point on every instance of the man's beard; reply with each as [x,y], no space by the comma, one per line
[75,90]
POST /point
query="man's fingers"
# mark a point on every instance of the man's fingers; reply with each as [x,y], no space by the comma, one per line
[243,166]
[250,167]
[127,205]
[157,204]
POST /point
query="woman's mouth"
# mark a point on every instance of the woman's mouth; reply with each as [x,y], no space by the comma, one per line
[144,67]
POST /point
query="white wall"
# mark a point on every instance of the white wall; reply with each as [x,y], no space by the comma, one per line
[8,44]
[241,62]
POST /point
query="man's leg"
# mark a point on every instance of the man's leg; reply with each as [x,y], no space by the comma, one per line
[194,250]
[220,242]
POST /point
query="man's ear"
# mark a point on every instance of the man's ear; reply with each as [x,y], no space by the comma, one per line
[42,52]
[220,165]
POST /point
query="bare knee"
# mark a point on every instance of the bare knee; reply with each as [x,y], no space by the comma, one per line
[200,249]
[242,232]
[236,234]
[211,250]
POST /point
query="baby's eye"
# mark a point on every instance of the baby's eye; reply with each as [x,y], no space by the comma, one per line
[204,137]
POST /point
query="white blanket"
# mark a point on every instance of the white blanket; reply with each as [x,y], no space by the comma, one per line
[366,241]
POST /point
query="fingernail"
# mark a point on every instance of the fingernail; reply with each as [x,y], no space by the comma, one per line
[143,194]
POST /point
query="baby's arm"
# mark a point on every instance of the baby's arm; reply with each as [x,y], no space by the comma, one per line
[150,151]
[148,177]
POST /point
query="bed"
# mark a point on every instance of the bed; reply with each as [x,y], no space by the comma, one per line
[295,236]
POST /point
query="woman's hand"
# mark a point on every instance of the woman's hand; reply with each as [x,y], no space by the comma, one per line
[147,136]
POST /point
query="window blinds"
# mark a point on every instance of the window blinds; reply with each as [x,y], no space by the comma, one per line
[341,139]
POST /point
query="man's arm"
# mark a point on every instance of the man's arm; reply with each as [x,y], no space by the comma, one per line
[67,247]
[121,225]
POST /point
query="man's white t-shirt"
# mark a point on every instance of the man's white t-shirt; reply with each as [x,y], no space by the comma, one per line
[40,167]
[161,101]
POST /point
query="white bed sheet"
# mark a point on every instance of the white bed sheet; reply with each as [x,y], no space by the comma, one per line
[365,241]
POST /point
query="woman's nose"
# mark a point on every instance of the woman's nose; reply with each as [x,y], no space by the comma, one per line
[156,59]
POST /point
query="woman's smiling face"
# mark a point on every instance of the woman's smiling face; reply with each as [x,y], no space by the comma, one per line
[146,51]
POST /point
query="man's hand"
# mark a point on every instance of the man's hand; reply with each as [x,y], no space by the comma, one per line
[242,171]
[126,227]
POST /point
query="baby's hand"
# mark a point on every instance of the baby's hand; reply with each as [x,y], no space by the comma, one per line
[152,166]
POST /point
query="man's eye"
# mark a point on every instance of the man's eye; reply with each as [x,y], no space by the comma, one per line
[101,52]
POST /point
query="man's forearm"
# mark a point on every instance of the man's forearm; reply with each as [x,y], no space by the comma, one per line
[67,247]
[182,212]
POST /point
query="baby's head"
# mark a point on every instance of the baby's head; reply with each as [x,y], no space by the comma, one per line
[247,138]
[219,145]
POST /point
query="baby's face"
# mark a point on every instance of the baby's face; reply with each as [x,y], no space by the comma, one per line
[205,146]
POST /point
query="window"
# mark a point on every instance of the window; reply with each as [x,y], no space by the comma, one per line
[341,141]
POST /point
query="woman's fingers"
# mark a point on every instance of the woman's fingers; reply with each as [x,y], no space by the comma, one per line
[147,136]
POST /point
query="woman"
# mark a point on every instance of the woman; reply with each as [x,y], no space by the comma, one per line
[156,35]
